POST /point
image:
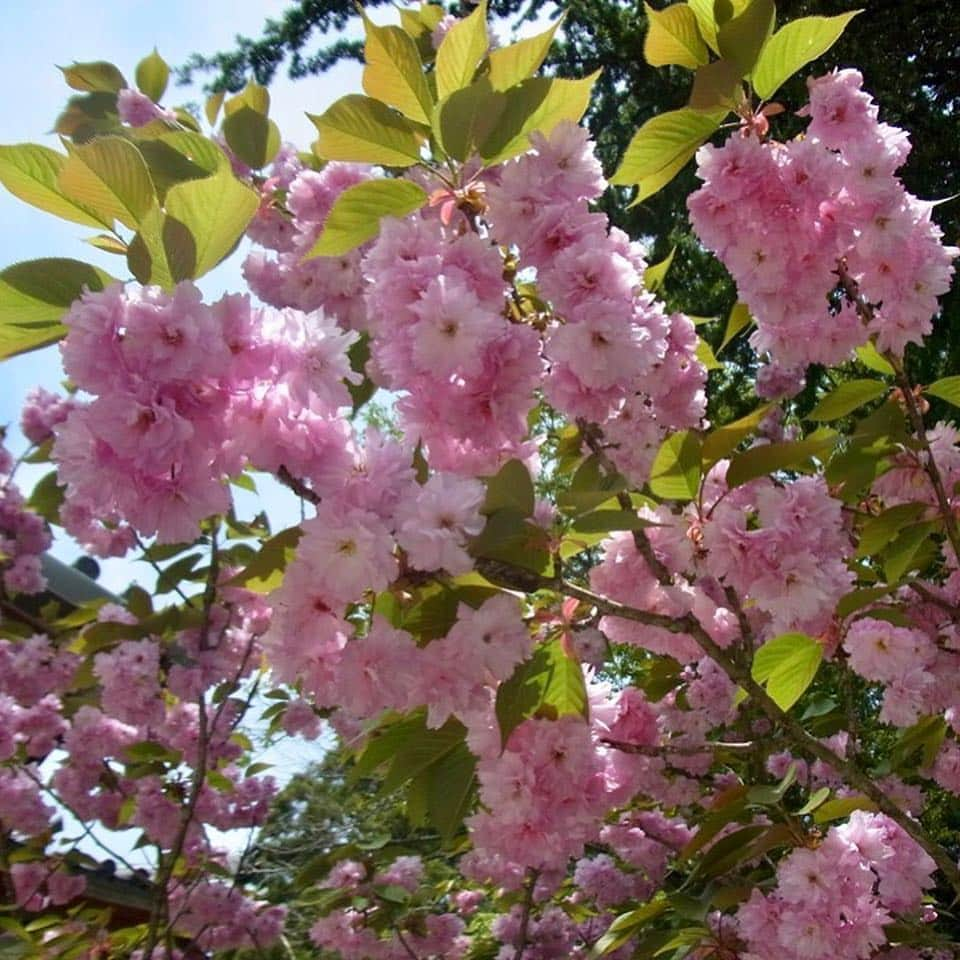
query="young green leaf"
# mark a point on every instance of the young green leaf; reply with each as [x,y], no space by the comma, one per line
[364,130]
[673,37]
[742,38]
[664,144]
[252,136]
[656,273]
[35,294]
[152,75]
[394,72]
[786,665]
[947,388]
[32,173]
[468,117]
[516,62]
[793,46]
[846,398]
[461,51]
[675,474]
[356,214]
[535,105]
[767,458]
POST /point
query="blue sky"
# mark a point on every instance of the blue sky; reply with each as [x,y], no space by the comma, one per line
[46,33]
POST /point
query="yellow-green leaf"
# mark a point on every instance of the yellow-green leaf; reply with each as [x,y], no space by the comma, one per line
[656,273]
[34,295]
[95,77]
[675,474]
[356,214]
[947,388]
[461,51]
[394,72]
[673,36]
[32,173]
[211,108]
[152,75]
[767,458]
[512,64]
[216,211]
[724,440]
[874,360]
[252,136]
[786,665]
[664,144]
[467,118]
[738,320]
[706,355]
[793,46]
[742,38]
[363,130]
[846,398]
[253,95]
[163,252]
[715,86]
[110,176]
[536,105]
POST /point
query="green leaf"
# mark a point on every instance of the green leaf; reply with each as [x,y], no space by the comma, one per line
[450,790]
[253,96]
[767,458]
[516,62]
[706,355]
[549,684]
[468,117]
[656,273]
[925,738]
[394,72]
[841,807]
[603,521]
[510,488]
[110,177]
[47,498]
[724,440]
[815,800]
[628,925]
[509,537]
[253,137]
[95,77]
[871,358]
[673,37]
[739,319]
[786,665]
[461,51]
[590,486]
[741,39]
[663,145]
[846,398]
[420,748]
[265,572]
[358,210]
[163,252]
[715,87]
[35,294]
[211,109]
[152,75]
[703,10]
[947,388]
[908,551]
[878,531]
[536,105]
[180,155]
[88,115]
[793,46]
[32,173]
[364,130]
[675,474]
[216,210]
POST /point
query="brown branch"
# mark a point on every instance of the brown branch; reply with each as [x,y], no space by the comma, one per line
[531,882]
[592,435]
[298,486]
[793,732]
[681,750]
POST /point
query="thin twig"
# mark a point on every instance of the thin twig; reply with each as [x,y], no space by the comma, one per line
[298,486]
[793,731]
[529,885]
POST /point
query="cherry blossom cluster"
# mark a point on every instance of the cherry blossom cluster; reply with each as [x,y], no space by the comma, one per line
[785,217]
[23,535]
[835,900]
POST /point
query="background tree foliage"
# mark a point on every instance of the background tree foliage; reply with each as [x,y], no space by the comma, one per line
[910,58]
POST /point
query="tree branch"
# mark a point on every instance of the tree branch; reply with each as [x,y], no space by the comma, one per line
[793,732]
